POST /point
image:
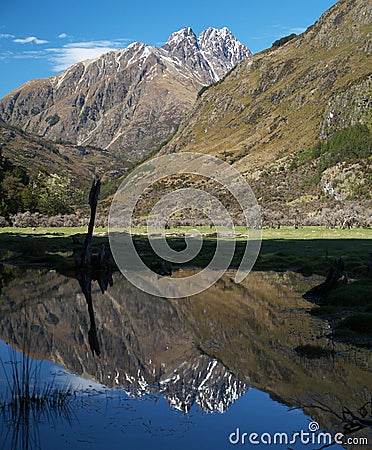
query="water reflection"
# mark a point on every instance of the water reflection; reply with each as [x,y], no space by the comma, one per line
[207,350]
[85,280]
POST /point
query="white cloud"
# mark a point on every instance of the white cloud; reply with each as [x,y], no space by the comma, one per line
[286,29]
[74,52]
[65,57]
[62,35]
[6,36]
[31,55]
[30,39]
[5,55]
[68,54]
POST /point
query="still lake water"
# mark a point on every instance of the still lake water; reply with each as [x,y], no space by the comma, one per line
[175,374]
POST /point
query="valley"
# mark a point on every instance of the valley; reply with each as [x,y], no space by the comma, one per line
[131,179]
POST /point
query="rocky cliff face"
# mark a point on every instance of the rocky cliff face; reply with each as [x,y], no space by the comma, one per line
[128,101]
[221,49]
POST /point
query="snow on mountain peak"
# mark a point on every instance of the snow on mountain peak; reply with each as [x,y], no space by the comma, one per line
[185,34]
[214,52]
[222,50]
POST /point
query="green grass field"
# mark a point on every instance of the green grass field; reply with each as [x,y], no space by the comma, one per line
[267,233]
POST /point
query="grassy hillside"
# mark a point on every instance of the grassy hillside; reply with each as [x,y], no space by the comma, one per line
[35,153]
[40,175]
[329,183]
[288,97]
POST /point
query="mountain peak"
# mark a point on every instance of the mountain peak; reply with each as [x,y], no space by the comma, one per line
[212,32]
[219,45]
[186,34]
[209,56]
[186,31]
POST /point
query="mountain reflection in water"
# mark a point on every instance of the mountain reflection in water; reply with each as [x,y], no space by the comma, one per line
[206,350]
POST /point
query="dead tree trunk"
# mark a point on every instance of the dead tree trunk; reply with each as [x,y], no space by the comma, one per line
[86,256]
[334,274]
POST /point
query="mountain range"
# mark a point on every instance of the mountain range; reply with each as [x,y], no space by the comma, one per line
[294,119]
[127,101]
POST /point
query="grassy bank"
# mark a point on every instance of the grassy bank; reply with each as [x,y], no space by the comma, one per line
[267,233]
[307,250]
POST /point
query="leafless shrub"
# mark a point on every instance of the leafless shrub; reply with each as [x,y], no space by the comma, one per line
[3,222]
[27,219]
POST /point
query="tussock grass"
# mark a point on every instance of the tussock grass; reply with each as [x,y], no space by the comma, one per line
[26,392]
[357,293]
[28,401]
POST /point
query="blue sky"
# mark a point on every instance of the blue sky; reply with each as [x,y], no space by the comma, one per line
[42,37]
